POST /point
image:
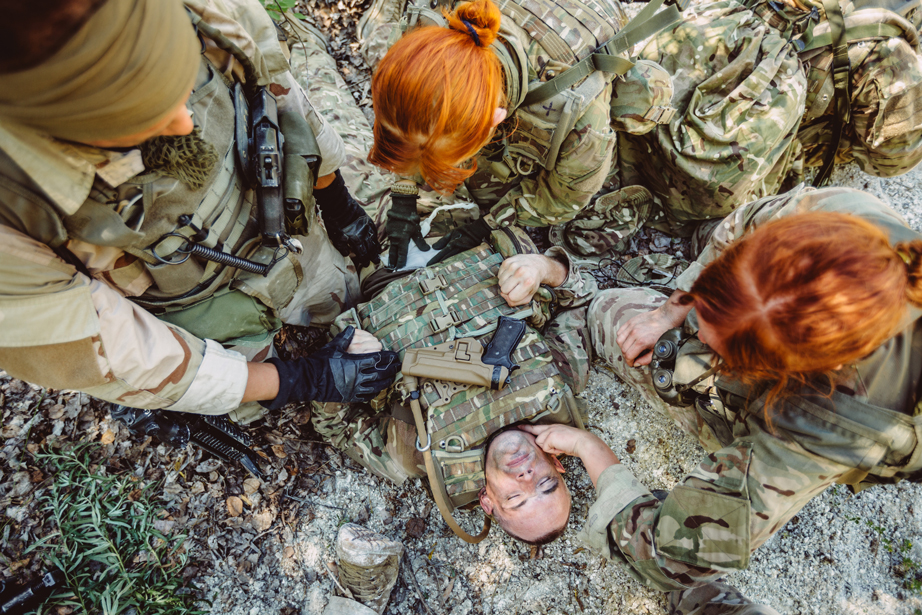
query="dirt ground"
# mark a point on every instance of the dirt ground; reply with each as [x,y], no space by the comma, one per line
[841,555]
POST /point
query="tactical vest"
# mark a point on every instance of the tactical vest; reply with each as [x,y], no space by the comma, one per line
[455,299]
[142,218]
[584,43]
[823,41]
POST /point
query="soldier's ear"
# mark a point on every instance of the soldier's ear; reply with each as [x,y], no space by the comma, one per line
[485,502]
[499,114]
[558,465]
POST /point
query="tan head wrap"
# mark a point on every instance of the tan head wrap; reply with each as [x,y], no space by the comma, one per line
[123,72]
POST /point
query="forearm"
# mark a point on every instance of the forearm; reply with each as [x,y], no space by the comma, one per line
[262,382]
[596,456]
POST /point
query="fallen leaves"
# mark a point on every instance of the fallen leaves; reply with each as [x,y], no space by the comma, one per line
[251,486]
[415,527]
[234,506]
[262,521]
[108,437]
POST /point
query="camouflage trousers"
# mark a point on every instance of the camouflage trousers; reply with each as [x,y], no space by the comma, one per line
[608,312]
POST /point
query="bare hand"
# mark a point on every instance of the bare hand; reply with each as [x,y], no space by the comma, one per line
[520,276]
[638,335]
[364,342]
[557,439]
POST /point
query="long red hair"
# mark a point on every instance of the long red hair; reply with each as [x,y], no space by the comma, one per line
[434,95]
[805,294]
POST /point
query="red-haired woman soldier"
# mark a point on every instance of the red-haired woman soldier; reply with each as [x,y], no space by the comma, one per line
[442,94]
[811,303]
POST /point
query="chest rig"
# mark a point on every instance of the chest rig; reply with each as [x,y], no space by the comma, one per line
[581,49]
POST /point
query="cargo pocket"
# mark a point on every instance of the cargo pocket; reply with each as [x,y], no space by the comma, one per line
[707,529]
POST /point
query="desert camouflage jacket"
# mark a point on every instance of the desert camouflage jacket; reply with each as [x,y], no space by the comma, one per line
[756,478]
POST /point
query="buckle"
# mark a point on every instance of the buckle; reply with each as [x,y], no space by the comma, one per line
[443,322]
[430,285]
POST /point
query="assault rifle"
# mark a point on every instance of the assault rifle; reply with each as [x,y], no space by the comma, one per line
[16,600]
[215,434]
[466,361]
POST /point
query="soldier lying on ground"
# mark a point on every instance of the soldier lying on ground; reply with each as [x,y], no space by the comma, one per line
[808,304]
[136,265]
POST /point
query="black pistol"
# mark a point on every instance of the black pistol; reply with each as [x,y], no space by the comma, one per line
[498,352]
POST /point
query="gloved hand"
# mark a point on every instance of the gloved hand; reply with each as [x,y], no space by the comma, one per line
[350,229]
[403,226]
[332,374]
[463,238]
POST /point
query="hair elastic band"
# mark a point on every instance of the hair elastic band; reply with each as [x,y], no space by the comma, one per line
[473,32]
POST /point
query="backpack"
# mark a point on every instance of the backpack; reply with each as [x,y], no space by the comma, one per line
[459,298]
[824,48]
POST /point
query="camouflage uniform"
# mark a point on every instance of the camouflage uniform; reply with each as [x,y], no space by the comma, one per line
[87,331]
[753,114]
[510,180]
[754,479]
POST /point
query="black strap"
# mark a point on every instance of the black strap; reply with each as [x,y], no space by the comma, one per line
[841,72]
[71,259]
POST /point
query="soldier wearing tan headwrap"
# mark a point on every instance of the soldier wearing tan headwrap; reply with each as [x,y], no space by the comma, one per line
[118,151]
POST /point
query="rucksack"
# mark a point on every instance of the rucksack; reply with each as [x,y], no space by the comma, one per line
[455,299]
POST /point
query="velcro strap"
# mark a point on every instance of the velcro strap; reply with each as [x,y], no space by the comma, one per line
[660,115]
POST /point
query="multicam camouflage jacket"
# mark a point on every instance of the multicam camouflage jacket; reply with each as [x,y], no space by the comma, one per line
[765,464]
[753,112]
[555,154]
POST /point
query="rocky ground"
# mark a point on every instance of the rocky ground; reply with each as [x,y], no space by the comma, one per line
[263,547]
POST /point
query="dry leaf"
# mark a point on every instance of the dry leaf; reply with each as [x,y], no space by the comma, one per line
[108,437]
[14,566]
[447,592]
[303,417]
[246,499]
[279,451]
[631,446]
[134,495]
[234,506]
[209,465]
[36,475]
[263,521]
[289,552]
[56,412]
[251,486]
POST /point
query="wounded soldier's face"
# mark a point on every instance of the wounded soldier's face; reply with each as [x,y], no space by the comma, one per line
[525,491]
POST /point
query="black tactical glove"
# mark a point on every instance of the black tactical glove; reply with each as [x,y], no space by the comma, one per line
[402,226]
[350,229]
[463,238]
[332,374]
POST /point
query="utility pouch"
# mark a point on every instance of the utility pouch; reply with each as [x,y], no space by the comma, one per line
[300,164]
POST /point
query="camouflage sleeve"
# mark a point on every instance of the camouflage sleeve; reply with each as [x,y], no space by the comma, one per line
[64,330]
[800,199]
[709,523]
[579,288]
[887,109]
[555,196]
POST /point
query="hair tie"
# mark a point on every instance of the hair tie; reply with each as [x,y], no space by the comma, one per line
[473,32]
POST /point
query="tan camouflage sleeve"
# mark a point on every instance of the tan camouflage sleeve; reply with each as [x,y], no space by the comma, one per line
[802,198]
[579,288]
[556,196]
[63,330]
[709,523]
[887,109]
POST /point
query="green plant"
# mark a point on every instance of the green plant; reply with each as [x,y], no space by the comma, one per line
[276,8]
[106,545]
[908,568]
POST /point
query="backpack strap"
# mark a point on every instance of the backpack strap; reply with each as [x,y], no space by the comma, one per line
[607,57]
[841,74]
